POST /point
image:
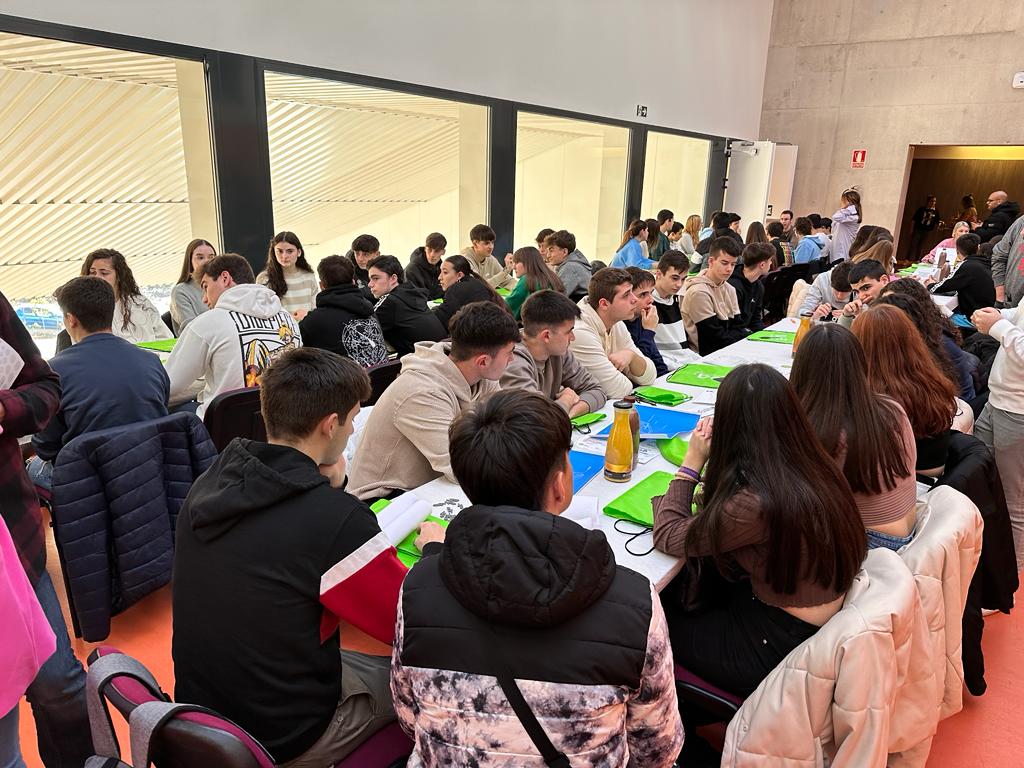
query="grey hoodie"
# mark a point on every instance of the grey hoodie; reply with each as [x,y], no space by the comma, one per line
[575,274]
[1008,263]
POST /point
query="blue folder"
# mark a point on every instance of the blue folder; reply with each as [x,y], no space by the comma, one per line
[585,467]
[961,321]
[660,422]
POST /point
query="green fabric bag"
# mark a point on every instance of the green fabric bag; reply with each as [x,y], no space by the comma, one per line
[160,345]
[503,292]
[700,375]
[660,396]
[585,419]
[635,504]
[407,551]
[673,450]
[776,337]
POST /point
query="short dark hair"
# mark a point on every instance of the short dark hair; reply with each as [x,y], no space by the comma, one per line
[546,309]
[840,277]
[504,451]
[720,220]
[673,260]
[481,327]
[677,226]
[755,253]
[664,215]
[727,245]
[543,235]
[366,244]
[787,211]
[232,263]
[815,219]
[336,270]
[90,299]
[733,218]
[803,226]
[639,277]
[436,241]
[605,283]
[389,265]
[563,239]
[775,229]
[305,385]
[483,233]
[867,268]
[968,244]
[826,223]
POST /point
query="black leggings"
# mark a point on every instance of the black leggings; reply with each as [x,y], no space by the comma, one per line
[735,645]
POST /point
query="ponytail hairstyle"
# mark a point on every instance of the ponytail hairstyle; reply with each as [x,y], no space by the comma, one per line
[633,230]
[274,271]
[852,197]
[461,264]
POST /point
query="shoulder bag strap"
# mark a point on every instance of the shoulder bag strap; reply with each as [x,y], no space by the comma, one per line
[492,652]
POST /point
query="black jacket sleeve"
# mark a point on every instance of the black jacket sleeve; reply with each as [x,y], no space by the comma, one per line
[714,333]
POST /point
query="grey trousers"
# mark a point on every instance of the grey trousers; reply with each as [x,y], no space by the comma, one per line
[1003,432]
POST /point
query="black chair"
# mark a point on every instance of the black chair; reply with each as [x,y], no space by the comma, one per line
[166,317]
[778,285]
[381,376]
[596,266]
[63,341]
[235,414]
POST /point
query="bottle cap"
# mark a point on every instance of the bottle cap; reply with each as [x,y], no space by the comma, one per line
[624,405]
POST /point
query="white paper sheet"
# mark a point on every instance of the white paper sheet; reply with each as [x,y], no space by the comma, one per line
[402,516]
[10,365]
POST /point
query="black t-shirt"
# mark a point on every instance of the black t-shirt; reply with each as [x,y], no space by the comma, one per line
[926,219]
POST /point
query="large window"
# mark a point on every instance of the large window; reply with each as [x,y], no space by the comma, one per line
[571,174]
[675,175]
[347,160]
[99,148]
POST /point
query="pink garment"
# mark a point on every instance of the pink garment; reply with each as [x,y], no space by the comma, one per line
[26,640]
[933,254]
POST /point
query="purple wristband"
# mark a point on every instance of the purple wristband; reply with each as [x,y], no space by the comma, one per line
[690,474]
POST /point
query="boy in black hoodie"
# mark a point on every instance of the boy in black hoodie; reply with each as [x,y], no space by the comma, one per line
[270,554]
[425,266]
[401,307]
[343,321]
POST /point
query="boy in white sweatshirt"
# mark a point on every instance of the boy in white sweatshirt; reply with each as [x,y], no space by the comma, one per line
[1001,424]
[230,346]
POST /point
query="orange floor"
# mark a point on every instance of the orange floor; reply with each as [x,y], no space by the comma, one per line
[986,734]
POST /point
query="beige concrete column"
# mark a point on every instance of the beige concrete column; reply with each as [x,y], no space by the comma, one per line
[195,135]
[472,173]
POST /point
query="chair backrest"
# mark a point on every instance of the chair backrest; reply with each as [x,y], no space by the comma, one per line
[777,287]
[190,738]
[235,414]
[381,377]
[166,317]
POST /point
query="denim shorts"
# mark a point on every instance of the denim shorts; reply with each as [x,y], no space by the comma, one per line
[877,539]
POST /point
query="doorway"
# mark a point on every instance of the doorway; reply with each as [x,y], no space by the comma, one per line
[950,172]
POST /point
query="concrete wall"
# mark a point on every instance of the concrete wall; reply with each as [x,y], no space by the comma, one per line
[882,75]
[591,56]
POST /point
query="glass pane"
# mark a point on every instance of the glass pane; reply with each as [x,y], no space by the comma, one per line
[347,160]
[675,174]
[571,174]
[99,148]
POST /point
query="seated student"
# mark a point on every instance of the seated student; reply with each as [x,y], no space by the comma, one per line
[670,335]
[602,343]
[725,225]
[972,282]
[480,255]
[783,250]
[230,346]
[644,323]
[542,362]
[586,637]
[270,553]
[289,275]
[665,219]
[569,264]
[868,435]
[425,265]
[343,321]
[867,278]
[542,242]
[462,286]
[186,295]
[942,338]
[364,248]
[534,275]
[401,307]
[748,280]
[807,248]
[631,251]
[791,544]
[675,237]
[135,317]
[710,308]
[959,229]
[900,366]
[105,381]
[405,442]
[829,293]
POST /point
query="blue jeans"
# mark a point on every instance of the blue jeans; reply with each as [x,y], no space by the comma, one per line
[57,694]
[10,753]
[878,540]
[40,472]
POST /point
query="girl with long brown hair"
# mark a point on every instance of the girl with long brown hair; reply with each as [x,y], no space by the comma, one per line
[630,252]
[186,295]
[900,366]
[534,275]
[845,222]
[289,275]
[136,318]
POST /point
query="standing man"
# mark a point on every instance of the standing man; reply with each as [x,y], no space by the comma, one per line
[1008,264]
[925,219]
[1003,214]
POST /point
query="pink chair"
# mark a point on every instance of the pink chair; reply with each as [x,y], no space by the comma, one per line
[709,698]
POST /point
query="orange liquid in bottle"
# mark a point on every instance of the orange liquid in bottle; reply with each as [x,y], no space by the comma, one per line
[618,456]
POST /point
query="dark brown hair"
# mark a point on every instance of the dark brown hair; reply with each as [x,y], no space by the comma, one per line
[563,239]
[814,529]
[305,385]
[483,233]
[461,264]
[653,233]
[900,366]
[803,226]
[830,376]
[275,272]
[755,253]
[504,451]
[546,309]
[186,268]
[756,233]
[436,241]
[127,289]
[538,275]
[543,235]
[232,263]
[605,283]
[90,300]
[673,260]
[335,270]
[481,328]
[636,226]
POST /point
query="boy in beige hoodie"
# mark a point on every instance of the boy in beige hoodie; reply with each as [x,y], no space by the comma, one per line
[405,441]
[710,308]
[484,262]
